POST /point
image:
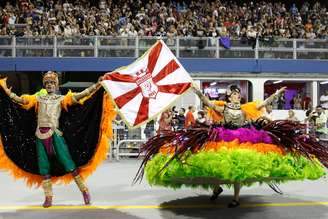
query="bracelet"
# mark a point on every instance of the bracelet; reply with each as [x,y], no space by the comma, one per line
[16,98]
[74,99]
[199,93]
[92,88]
[87,91]
[12,95]
[276,93]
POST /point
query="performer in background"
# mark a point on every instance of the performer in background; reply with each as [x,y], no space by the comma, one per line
[47,138]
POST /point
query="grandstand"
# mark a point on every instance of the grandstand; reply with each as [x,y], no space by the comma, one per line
[260,45]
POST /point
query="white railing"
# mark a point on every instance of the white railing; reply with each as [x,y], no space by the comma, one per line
[128,148]
[183,47]
[126,142]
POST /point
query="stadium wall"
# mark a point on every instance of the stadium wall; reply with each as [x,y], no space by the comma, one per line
[191,65]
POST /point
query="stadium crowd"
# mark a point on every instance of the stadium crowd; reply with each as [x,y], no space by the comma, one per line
[163,18]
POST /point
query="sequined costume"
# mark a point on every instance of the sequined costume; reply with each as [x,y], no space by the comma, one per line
[54,138]
[239,149]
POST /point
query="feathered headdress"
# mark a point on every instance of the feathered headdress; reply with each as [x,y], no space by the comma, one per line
[232,88]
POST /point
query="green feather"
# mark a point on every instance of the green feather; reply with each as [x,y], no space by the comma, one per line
[239,165]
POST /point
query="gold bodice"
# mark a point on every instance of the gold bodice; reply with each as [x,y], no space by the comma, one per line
[49,110]
[234,116]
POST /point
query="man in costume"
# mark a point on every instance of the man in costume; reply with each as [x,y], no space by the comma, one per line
[69,143]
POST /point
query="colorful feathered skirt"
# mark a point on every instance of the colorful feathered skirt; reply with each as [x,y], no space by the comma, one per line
[276,152]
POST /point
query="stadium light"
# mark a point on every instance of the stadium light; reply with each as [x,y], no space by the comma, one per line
[324,82]
[222,91]
[277,82]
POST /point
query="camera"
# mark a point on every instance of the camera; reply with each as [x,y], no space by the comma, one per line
[314,114]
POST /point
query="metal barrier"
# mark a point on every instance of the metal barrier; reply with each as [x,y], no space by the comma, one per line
[125,142]
[184,47]
[128,151]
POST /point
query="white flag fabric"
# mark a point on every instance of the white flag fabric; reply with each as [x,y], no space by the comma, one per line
[148,86]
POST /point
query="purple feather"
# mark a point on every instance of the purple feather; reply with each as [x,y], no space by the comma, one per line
[242,134]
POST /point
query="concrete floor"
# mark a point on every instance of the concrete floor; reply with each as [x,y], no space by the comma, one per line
[113,196]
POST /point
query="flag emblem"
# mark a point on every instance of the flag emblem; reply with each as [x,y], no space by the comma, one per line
[145,81]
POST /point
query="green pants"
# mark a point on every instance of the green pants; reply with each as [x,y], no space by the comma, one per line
[61,153]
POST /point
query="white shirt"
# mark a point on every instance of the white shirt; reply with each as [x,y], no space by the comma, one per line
[322,118]
[324,98]
[68,31]
[12,20]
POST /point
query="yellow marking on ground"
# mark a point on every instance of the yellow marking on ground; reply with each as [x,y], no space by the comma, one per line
[187,206]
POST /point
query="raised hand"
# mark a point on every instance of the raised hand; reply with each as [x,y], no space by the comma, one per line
[5,88]
[196,89]
[281,90]
[100,79]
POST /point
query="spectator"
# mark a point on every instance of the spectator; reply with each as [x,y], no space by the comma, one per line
[291,102]
[252,36]
[306,102]
[190,120]
[181,119]
[201,119]
[174,111]
[293,10]
[320,122]
[324,100]
[149,129]
[121,132]
[165,122]
[281,101]
[291,116]
[310,122]
[298,102]
[174,117]
[264,20]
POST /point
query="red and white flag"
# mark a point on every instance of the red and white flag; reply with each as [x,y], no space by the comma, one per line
[148,86]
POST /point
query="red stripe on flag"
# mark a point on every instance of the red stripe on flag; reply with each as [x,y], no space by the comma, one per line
[153,56]
[125,98]
[143,111]
[115,76]
[178,88]
[168,69]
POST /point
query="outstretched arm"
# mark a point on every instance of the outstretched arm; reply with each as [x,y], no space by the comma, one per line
[87,91]
[269,100]
[207,101]
[12,95]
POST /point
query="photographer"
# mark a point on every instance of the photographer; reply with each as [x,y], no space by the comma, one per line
[180,118]
[319,122]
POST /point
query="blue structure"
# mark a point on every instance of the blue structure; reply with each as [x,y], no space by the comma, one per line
[191,65]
